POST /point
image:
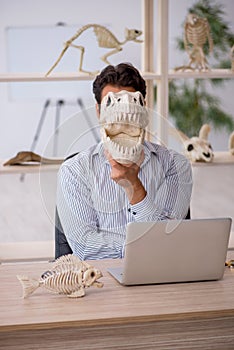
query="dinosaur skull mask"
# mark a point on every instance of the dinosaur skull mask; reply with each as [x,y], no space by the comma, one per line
[123,119]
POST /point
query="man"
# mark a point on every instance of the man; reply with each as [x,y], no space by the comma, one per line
[98,194]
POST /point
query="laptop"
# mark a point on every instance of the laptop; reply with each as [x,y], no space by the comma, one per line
[174,251]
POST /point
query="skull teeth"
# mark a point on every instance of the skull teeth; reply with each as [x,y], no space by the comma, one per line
[125,118]
[124,153]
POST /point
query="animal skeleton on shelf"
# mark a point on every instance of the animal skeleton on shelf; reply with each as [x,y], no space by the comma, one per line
[106,39]
[197,148]
[31,157]
[196,34]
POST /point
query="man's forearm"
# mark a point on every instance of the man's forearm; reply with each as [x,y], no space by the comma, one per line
[135,192]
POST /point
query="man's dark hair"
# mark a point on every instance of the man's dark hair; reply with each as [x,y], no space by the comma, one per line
[122,75]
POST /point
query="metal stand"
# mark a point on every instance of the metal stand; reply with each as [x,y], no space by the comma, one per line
[59,104]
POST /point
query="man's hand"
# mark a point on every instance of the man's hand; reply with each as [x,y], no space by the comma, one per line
[127,177]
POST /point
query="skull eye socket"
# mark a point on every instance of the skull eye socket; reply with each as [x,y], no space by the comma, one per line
[108,102]
[189,147]
[92,274]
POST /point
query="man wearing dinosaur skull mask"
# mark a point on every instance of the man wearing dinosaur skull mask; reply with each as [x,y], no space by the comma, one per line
[123,178]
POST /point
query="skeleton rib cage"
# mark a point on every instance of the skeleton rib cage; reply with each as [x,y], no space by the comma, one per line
[104,36]
[106,39]
[197,35]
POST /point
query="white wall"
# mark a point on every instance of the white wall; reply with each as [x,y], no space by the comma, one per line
[19,117]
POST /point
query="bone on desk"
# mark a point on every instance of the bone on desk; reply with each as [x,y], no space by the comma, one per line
[196,315]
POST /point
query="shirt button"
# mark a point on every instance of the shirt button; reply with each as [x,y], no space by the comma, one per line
[134,213]
[129,210]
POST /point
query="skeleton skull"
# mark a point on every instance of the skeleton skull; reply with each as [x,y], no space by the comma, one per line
[198,148]
[123,119]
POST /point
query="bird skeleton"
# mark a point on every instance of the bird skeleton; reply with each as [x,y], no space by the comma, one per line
[196,34]
[105,38]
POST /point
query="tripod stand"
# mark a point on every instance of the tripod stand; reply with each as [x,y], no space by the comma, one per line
[59,104]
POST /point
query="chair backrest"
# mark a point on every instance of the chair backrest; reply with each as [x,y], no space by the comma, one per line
[62,246]
[188,216]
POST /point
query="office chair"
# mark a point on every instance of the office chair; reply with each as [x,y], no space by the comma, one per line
[61,244]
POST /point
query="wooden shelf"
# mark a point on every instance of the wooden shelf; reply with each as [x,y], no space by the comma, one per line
[40,77]
[220,158]
[210,74]
[31,77]
[27,168]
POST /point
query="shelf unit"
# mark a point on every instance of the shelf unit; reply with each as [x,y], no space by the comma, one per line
[161,76]
[40,77]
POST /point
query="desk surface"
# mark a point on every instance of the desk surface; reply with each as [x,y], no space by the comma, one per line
[112,304]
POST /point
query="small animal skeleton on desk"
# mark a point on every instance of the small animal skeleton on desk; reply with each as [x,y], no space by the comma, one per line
[106,39]
[69,275]
[196,34]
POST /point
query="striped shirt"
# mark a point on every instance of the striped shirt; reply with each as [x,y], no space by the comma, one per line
[94,210]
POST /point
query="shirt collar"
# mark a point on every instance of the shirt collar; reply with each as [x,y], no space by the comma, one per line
[149,148]
[99,150]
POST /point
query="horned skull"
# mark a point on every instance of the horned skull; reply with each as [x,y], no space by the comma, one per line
[123,119]
[198,148]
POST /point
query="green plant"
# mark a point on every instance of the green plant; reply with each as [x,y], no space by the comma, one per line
[191,103]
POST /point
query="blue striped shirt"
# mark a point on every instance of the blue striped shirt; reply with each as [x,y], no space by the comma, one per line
[94,210]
